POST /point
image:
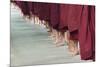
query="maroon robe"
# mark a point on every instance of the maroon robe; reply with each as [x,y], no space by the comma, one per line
[54,15]
[87,33]
[41,8]
[45,12]
[70,16]
[80,20]
[31,8]
[25,8]
[23,5]
[36,8]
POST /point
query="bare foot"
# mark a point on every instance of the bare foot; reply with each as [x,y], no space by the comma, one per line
[73,47]
[60,42]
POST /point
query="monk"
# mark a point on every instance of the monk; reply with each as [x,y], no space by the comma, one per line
[79,20]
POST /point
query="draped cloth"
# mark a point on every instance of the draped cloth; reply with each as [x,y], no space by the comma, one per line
[36,8]
[78,19]
[44,11]
[31,7]
[87,33]
[55,15]
[70,15]
[23,5]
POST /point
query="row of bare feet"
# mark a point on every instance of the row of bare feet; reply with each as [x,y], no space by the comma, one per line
[59,38]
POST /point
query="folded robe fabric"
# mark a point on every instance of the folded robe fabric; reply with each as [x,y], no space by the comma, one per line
[80,20]
[36,10]
[31,8]
[23,5]
[55,15]
[70,15]
[87,33]
[44,11]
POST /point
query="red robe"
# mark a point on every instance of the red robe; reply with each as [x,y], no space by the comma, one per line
[87,33]
[80,21]
[23,5]
[44,11]
[36,10]
[70,16]
[54,16]
[31,7]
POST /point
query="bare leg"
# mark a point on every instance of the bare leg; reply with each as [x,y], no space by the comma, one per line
[32,19]
[73,47]
[36,20]
[72,44]
[67,36]
[60,39]
[56,36]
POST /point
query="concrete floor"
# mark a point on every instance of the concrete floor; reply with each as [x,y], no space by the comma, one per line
[30,45]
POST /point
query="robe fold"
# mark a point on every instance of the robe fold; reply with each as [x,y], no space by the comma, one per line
[23,5]
[43,11]
[31,8]
[87,33]
[70,16]
[36,10]
[54,16]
